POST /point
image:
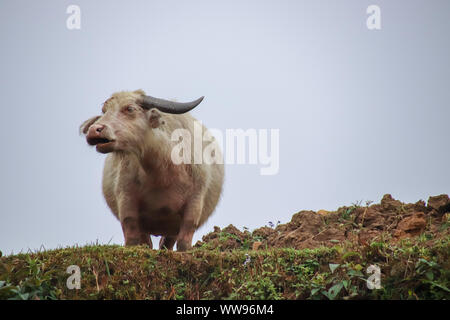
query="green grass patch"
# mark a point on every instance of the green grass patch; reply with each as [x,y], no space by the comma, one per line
[409,270]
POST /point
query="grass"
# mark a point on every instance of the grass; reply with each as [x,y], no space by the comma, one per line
[410,269]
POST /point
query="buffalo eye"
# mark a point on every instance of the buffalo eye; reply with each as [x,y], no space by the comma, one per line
[129,109]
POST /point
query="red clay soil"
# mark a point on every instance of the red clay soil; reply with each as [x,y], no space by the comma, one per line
[390,220]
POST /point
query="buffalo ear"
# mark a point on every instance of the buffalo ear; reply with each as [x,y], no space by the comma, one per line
[139,92]
[155,118]
[85,125]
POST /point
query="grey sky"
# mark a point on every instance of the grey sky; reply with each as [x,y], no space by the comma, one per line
[361,113]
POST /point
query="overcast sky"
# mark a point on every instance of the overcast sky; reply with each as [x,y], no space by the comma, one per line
[360,112]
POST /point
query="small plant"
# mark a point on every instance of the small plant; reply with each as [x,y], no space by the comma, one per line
[35,283]
[446,224]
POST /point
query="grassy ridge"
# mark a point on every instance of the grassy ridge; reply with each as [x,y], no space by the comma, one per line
[410,269]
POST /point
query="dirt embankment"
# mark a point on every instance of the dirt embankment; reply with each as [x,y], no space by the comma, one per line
[390,220]
[408,243]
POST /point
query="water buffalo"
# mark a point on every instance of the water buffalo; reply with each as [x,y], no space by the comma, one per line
[143,187]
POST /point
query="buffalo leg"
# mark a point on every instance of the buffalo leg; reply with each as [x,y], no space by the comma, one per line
[145,239]
[131,226]
[189,223]
[167,242]
[133,234]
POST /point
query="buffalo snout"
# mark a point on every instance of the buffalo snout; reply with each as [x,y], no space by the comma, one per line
[96,136]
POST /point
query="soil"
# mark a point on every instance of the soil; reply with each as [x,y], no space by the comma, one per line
[390,220]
